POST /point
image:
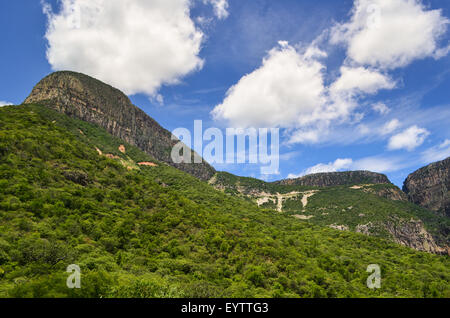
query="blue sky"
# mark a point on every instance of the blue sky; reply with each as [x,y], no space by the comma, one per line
[351,85]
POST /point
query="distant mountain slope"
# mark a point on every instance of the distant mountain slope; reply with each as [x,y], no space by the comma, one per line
[331,179]
[374,206]
[430,187]
[88,99]
[70,193]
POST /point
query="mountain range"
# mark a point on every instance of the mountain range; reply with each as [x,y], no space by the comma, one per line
[86,178]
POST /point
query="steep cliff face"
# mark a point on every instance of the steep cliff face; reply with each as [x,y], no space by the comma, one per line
[412,233]
[88,99]
[331,179]
[429,187]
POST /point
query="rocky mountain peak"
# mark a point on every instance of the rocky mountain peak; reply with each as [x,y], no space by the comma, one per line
[429,187]
[83,97]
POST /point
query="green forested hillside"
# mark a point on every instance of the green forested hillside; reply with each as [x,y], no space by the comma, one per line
[144,231]
[376,209]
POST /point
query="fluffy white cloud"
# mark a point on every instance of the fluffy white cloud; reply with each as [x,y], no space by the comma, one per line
[289,89]
[220,8]
[2,103]
[408,139]
[391,33]
[135,45]
[360,80]
[381,108]
[437,153]
[355,83]
[286,91]
[337,165]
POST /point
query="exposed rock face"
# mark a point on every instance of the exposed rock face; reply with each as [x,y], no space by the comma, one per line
[331,179]
[393,193]
[364,228]
[88,99]
[339,227]
[413,234]
[429,187]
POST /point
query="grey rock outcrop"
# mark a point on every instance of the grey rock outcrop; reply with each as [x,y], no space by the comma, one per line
[429,187]
[413,234]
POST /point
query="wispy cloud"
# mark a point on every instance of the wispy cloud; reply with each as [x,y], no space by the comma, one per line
[289,155]
[2,103]
[209,90]
[437,153]
[381,164]
[381,108]
[220,8]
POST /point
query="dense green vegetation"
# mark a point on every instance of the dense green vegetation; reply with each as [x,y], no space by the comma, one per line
[340,205]
[159,232]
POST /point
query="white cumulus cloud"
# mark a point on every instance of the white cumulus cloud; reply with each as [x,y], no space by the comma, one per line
[408,139]
[391,33]
[286,91]
[290,89]
[134,45]
[361,80]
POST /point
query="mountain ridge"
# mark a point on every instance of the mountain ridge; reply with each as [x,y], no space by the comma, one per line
[327,179]
[156,231]
[87,99]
